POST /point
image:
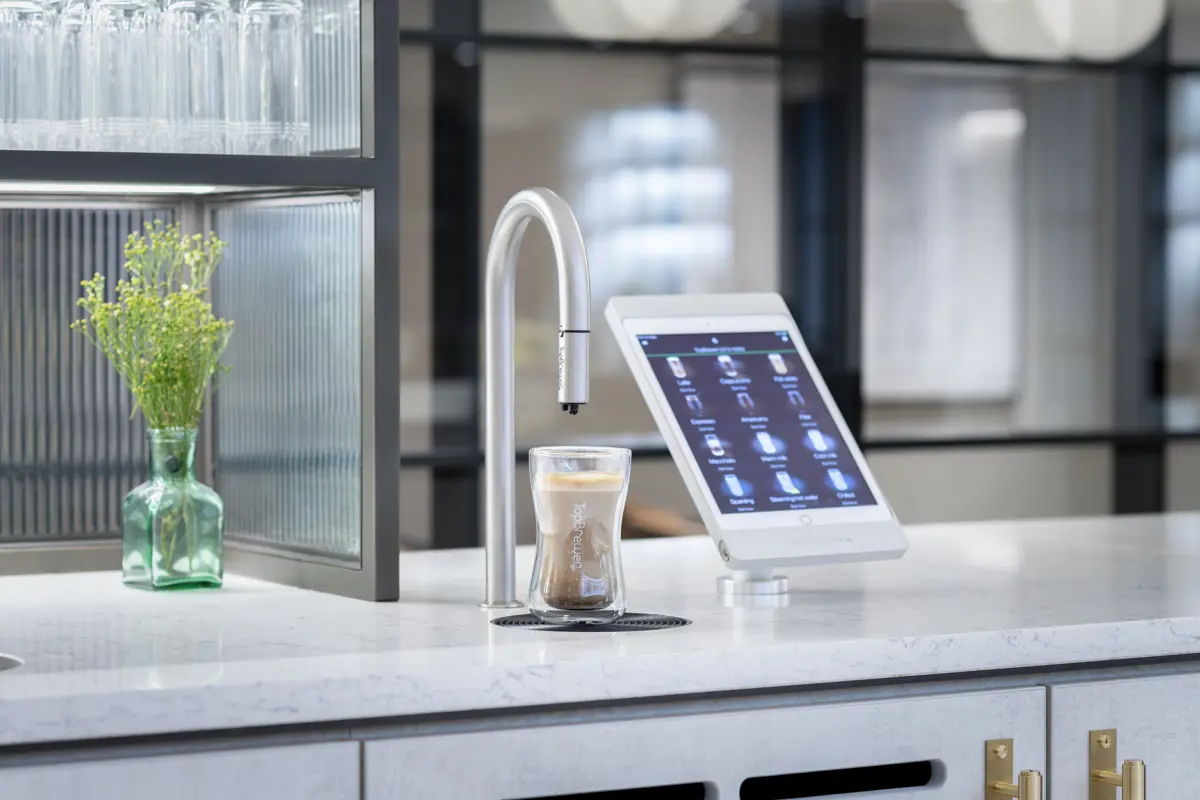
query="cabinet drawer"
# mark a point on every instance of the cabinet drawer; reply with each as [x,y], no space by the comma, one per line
[720,750]
[303,772]
[1157,721]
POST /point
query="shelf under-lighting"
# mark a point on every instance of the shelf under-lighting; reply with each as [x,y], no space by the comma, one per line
[52,187]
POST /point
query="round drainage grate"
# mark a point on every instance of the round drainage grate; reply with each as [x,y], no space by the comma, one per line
[627,622]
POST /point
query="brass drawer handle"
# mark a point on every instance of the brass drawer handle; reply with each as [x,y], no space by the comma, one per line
[998,774]
[1105,780]
[1027,787]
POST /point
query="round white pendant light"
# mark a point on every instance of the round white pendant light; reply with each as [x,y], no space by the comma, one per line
[1102,30]
[645,19]
[595,19]
[708,17]
[1011,29]
[651,17]
[681,19]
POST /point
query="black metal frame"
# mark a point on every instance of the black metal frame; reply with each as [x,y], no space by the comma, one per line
[1139,477]
[821,148]
[821,203]
[457,284]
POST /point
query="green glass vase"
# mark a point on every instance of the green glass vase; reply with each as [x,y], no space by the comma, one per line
[172,524]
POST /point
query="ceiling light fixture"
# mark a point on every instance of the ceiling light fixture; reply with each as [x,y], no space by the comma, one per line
[594,19]
[1102,30]
[646,19]
[1011,29]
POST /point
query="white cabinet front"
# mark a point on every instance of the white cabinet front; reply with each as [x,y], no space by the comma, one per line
[303,772]
[1157,721]
[864,745]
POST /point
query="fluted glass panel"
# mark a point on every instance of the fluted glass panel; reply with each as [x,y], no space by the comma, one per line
[288,420]
[335,76]
[69,450]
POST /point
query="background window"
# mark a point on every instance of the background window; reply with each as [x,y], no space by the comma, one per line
[988,264]
[671,166]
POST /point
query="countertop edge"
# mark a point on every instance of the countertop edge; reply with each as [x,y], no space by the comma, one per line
[395,695]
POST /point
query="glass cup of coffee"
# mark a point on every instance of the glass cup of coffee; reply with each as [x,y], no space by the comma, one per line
[579,498]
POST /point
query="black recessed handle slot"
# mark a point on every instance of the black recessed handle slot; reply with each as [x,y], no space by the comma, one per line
[836,782]
[682,791]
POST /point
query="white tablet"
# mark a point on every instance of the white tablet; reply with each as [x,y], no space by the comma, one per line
[767,457]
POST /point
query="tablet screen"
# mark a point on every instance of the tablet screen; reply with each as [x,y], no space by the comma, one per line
[755,422]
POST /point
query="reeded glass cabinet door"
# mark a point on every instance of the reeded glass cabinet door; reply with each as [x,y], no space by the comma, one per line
[287,426]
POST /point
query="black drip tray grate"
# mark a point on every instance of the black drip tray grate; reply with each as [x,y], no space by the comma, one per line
[627,622]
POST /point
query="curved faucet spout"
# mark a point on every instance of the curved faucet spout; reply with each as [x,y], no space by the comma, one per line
[574,323]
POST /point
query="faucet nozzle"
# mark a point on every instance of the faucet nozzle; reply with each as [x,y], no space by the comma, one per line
[571,408]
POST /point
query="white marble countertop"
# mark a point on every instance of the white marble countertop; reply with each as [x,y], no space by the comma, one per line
[103,661]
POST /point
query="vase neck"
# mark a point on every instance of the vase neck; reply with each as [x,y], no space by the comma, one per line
[172,453]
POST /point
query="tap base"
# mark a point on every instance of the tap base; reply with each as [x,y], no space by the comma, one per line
[505,604]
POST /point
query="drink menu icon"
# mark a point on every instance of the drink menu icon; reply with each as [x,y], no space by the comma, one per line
[838,480]
[786,483]
[677,367]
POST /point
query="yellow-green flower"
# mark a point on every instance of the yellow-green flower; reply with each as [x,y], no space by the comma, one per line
[160,333]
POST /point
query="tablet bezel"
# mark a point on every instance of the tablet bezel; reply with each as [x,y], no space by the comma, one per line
[771,535]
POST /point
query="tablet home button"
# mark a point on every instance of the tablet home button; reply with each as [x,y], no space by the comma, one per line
[805,519]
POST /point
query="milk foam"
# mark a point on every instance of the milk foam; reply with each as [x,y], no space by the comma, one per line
[593,481]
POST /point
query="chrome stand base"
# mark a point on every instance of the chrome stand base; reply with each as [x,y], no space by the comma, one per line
[497,606]
[752,582]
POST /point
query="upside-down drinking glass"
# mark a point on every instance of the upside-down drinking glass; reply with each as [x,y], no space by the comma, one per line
[68,65]
[199,45]
[26,38]
[125,80]
[273,80]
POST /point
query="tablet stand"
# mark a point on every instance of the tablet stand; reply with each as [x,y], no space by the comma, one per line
[752,582]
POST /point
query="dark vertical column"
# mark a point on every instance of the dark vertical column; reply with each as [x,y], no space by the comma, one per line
[381,143]
[1140,130]
[456,269]
[822,111]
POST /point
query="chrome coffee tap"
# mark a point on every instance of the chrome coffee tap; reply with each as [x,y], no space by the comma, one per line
[574,318]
